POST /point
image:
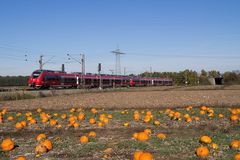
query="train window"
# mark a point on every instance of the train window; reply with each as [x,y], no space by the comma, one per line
[50,78]
[70,80]
[106,81]
[36,74]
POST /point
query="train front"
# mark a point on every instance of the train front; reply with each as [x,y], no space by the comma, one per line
[34,80]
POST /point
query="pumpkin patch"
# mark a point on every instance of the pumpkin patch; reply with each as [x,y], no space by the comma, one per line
[143,134]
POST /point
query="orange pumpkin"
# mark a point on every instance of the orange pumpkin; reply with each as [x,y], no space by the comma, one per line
[76,125]
[32,121]
[136,116]
[41,137]
[206,139]
[235,144]
[237,156]
[19,125]
[202,152]
[234,118]
[81,116]
[48,144]
[94,110]
[146,156]
[92,134]
[156,123]
[21,158]
[10,118]
[100,124]
[137,154]
[7,144]
[147,131]
[142,136]
[220,115]
[63,116]
[83,139]
[161,136]
[214,146]
[92,121]
[40,149]
[23,123]
[135,135]
[110,116]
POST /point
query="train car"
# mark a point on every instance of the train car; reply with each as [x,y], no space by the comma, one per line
[48,78]
[56,79]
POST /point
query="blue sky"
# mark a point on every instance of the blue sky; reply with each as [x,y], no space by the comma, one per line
[168,35]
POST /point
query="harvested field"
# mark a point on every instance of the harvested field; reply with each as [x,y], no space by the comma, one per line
[65,118]
[140,99]
[114,138]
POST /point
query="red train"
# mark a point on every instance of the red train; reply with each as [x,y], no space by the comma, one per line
[56,79]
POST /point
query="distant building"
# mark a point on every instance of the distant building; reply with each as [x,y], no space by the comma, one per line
[216,80]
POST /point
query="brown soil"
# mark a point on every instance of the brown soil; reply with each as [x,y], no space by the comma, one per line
[137,99]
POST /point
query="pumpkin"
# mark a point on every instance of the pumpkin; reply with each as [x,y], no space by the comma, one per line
[21,158]
[29,118]
[102,117]
[72,110]
[105,120]
[92,121]
[177,115]
[10,118]
[32,121]
[19,125]
[39,110]
[137,154]
[235,144]
[59,126]
[92,134]
[146,156]
[76,125]
[94,110]
[110,116]
[202,152]
[202,112]
[147,118]
[147,131]
[156,123]
[7,144]
[237,156]
[234,118]
[18,114]
[214,146]
[81,116]
[220,115]
[161,136]
[83,139]
[196,118]
[136,116]
[100,124]
[126,124]
[48,144]
[41,137]
[142,136]
[188,120]
[23,123]
[203,108]
[135,135]
[63,116]
[40,149]
[206,139]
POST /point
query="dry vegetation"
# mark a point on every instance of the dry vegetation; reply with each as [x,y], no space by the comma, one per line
[119,116]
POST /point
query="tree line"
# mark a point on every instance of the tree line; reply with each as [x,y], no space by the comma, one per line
[13,81]
[191,77]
